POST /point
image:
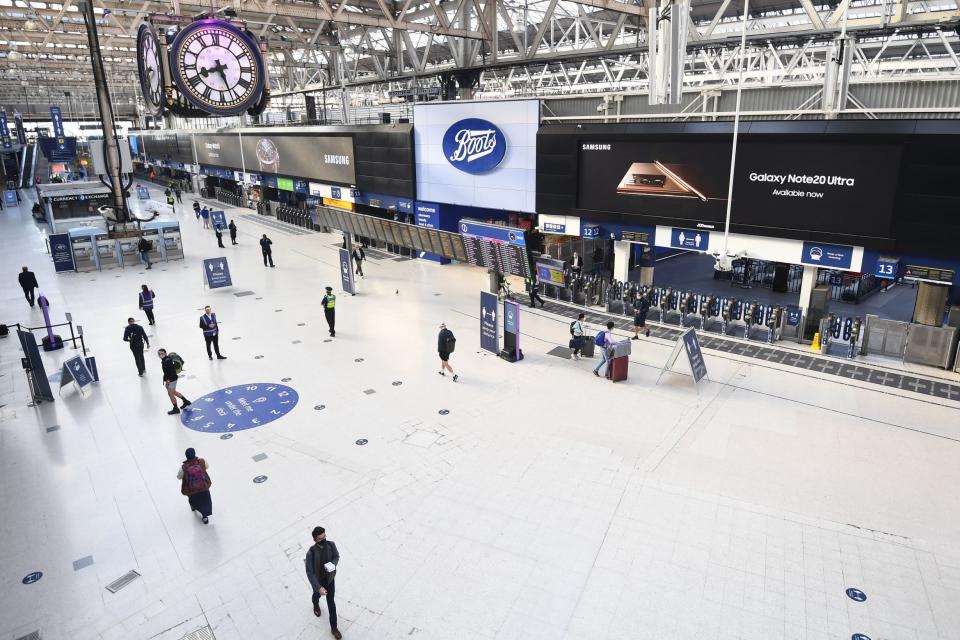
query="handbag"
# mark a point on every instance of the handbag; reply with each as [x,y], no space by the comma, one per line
[576,342]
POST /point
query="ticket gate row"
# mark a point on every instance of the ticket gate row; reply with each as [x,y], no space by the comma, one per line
[93,250]
[841,335]
[294,215]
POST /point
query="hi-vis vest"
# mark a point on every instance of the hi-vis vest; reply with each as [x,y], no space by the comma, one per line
[330,301]
[146,298]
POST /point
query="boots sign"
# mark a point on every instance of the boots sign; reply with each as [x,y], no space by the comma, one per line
[474,145]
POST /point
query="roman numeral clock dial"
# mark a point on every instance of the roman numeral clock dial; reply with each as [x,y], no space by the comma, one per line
[150,69]
[217,67]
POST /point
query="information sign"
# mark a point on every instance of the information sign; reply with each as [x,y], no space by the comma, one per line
[928,274]
[346,273]
[219,219]
[689,344]
[75,370]
[10,197]
[489,325]
[143,193]
[495,247]
[511,330]
[692,239]
[887,267]
[216,271]
[61,251]
[550,273]
[831,256]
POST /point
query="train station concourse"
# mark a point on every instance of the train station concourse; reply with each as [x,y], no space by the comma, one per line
[440,320]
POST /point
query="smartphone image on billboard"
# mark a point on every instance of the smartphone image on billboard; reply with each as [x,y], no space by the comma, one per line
[657,179]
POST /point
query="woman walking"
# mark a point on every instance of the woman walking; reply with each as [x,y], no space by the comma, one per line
[195,484]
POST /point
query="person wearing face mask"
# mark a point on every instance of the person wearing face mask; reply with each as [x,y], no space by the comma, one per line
[321,564]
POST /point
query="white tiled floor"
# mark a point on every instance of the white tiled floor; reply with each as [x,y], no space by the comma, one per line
[546,504]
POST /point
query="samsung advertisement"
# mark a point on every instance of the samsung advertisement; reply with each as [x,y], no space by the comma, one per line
[842,189]
[218,150]
[321,158]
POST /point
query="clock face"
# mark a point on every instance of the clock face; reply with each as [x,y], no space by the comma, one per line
[151,71]
[217,67]
[267,151]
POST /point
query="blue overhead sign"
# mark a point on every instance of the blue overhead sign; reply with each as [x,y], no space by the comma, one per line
[346,273]
[61,251]
[473,145]
[492,232]
[489,326]
[830,256]
[5,131]
[887,268]
[217,273]
[240,407]
[427,214]
[56,116]
[692,239]
[691,345]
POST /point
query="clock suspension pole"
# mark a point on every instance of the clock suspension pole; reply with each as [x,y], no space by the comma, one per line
[121,214]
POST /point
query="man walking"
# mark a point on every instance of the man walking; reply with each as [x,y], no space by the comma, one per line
[137,337]
[329,304]
[359,257]
[145,300]
[534,293]
[321,564]
[196,209]
[28,282]
[445,345]
[233,232]
[143,246]
[266,249]
[170,201]
[177,192]
[219,232]
[603,340]
[170,375]
[211,332]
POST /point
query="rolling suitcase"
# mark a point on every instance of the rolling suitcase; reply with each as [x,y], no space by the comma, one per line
[586,350]
[617,369]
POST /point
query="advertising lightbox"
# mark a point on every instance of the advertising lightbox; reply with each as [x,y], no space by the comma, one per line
[321,158]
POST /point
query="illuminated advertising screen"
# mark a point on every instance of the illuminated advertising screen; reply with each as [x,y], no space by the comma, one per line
[315,157]
[218,150]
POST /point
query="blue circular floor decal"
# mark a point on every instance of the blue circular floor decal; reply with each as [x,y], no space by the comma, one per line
[240,407]
[856,594]
[30,578]
[859,636]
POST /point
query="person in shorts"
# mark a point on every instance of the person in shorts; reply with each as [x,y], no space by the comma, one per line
[445,342]
[170,382]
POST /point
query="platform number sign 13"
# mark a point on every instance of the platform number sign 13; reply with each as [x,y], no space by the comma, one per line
[217,67]
[887,267]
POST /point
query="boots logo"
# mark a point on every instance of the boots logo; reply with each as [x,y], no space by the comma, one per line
[474,145]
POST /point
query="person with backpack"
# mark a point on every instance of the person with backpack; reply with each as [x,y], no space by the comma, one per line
[576,336]
[137,337]
[172,365]
[321,564]
[144,246]
[195,484]
[640,316]
[358,258]
[603,340]
[196,209]
[145,300]
[446,342]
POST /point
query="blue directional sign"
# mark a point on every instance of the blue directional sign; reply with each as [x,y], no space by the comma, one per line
[691,345]
[511,329]
[61,251]
[217,273]
[793,315]
[75,370]
[489,332]
[346,273]
[219,219]
[5,131]
[240,407]
[887,268]
[10,197]
[692,239]
[143,193]
[835,256]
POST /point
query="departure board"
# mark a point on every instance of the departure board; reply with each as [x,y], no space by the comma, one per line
[495,247]
[415,243]
[404,232]
[380,234]
[459,253]
[445,244]
[424,234]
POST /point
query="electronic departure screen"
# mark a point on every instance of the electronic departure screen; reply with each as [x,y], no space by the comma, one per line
[495,247]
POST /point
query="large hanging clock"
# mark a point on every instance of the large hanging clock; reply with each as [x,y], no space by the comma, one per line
[150,68]
[217,67]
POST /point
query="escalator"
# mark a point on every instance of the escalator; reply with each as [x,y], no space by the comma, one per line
[28,164]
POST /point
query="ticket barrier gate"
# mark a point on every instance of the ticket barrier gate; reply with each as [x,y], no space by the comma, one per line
[128,254]
[843,332]
[108,254]
[84,257]
[153,237]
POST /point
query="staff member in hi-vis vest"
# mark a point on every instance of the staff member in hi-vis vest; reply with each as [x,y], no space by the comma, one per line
[329,303]
[145,300]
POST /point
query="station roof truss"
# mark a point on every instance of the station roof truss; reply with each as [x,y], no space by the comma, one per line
[537,47]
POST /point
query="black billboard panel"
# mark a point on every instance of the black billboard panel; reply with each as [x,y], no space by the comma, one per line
[314,157]
[218,149]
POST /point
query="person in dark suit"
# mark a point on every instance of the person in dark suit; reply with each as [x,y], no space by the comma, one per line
[137,337]
[321,564]
[266,249]
[576,264]
[28,282]
[233,232]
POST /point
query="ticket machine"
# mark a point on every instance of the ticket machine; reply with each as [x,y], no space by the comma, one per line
[172,247]
[153,237]
[84,257]
[129,256]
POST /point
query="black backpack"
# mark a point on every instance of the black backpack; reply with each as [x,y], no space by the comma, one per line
[572,325]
